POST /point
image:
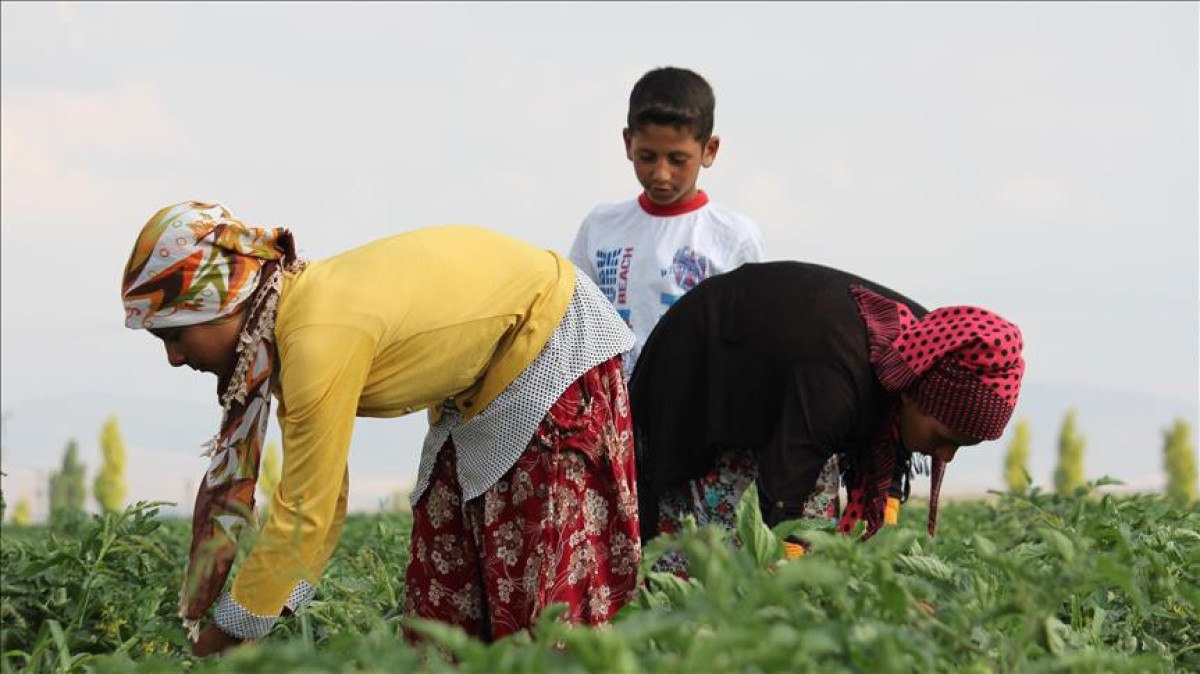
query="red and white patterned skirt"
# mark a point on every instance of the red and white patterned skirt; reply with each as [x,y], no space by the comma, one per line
[561,526]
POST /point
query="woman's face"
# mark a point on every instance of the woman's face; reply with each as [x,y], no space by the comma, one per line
[923,434]
[206,347]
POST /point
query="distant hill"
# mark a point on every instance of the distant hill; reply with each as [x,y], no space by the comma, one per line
[1123,431]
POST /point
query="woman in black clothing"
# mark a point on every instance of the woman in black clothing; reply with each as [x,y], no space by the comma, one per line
[787,374]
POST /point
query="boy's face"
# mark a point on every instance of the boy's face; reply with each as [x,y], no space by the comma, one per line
[667,161]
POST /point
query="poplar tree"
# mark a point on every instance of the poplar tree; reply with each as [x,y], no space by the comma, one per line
[1179,461]
[109,486]
[68,489]
[1016,459]
[22,514]
[1069,474]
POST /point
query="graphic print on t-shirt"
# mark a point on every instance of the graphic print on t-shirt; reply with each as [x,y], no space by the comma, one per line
[612,276]
[688,268]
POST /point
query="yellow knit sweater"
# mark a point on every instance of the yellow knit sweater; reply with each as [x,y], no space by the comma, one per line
[395,326]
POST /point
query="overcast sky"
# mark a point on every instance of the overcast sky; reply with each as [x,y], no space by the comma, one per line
[1039,159]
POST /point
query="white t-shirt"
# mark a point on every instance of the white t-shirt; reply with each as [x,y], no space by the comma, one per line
[644,256]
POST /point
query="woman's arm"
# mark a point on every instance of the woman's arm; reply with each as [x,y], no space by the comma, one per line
[323,372]
[818,412]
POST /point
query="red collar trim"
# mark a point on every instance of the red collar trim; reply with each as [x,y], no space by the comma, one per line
[693,204]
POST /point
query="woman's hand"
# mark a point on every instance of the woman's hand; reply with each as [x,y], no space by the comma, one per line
[213,640]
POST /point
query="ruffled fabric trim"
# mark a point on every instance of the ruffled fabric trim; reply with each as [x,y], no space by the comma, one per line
[253,335]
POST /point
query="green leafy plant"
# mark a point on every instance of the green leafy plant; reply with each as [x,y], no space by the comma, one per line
[1030,582]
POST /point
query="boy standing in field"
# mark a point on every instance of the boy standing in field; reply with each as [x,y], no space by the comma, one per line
[645,253]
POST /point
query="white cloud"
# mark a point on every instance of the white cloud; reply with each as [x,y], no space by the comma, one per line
[49,144]
[1030,192]
[67,18]
[65,12]
[939,130]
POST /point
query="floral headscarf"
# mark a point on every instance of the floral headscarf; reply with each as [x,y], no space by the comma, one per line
[192,263]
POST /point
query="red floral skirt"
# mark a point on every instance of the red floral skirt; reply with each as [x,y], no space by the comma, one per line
[560,527]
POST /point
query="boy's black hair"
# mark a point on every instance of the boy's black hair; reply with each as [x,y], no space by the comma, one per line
[675,97]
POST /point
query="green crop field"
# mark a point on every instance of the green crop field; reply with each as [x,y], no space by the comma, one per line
[1035,583]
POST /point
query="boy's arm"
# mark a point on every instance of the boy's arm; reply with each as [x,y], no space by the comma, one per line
[819,409]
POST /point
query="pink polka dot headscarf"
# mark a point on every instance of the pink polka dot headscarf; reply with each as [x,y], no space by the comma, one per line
[962,363]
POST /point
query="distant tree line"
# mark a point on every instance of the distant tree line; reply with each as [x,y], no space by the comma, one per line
[68,485]
[68,489]
[1179,462]
[1178,452]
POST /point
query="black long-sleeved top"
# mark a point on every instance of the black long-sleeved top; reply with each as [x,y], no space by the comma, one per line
[770,358]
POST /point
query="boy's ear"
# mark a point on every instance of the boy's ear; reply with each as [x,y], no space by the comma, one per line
[709,155]
[627,136]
